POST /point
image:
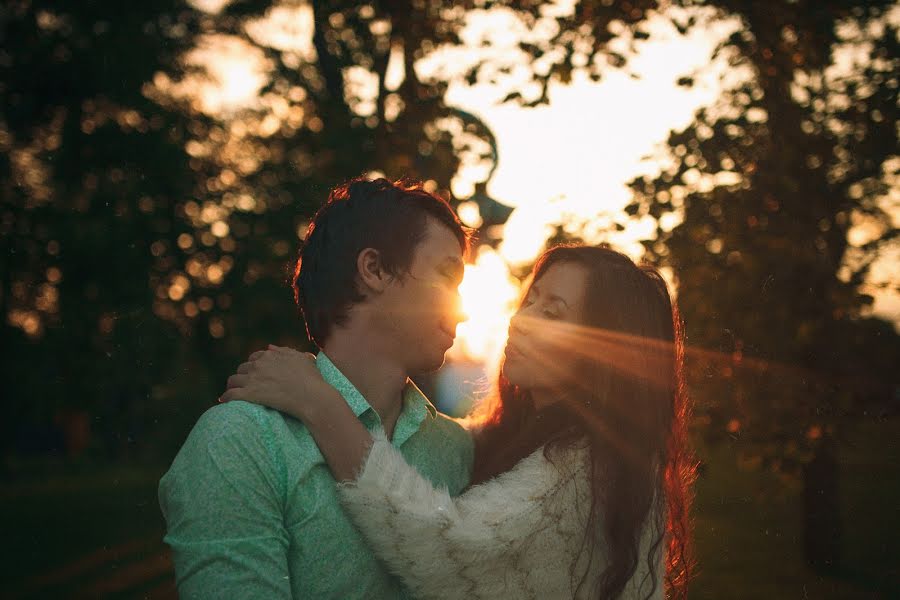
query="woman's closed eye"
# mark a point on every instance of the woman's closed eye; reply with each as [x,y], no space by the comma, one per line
[547,312]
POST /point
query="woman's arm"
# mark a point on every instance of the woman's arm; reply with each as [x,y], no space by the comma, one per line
[487,542]
[342,438]
[288,381]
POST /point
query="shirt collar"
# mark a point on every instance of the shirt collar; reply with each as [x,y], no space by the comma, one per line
[332,375]
[416,406]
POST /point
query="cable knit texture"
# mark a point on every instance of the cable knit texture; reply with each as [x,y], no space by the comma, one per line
[516,536]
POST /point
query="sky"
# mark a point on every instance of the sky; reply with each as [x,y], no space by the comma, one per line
[571,159]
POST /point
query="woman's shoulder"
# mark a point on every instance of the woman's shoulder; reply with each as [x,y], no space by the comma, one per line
[570,457]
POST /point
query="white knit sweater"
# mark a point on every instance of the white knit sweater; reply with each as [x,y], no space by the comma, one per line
[515,536]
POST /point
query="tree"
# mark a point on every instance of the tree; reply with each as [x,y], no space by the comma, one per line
[769,186]
[92,170]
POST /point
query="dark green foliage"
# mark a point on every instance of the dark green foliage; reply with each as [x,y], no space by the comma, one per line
[92,171]
[783,353]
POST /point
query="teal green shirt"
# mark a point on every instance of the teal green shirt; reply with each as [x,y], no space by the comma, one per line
[252,510]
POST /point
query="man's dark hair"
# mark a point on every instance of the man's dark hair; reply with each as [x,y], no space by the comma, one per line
[359,214]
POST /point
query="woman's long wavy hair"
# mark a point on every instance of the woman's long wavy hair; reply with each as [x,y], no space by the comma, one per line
[628,400]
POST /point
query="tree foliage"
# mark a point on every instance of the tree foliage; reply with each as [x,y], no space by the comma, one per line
[772,186]
[147,238]
[92,169]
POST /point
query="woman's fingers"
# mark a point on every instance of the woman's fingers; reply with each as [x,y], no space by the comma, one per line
[229,395]
[245,368]
[289,351]
[280,378]
[236,381]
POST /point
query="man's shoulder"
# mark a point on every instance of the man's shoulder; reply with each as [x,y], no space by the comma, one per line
[235,419]
[236,413]
[224,428]
[242,429]
[240,436]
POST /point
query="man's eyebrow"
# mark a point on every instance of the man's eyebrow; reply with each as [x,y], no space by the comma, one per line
[454,261]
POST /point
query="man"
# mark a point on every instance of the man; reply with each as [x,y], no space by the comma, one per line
[250,504]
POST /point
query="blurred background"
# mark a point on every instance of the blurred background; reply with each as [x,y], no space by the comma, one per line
[160,160]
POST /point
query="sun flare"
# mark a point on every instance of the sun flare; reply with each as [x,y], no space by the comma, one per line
[488,293]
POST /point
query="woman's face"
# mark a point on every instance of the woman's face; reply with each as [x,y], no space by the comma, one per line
[539,353]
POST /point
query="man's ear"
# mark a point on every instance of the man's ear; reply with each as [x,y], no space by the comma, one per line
[371,272]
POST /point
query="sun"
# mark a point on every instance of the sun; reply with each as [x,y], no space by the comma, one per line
[489,294]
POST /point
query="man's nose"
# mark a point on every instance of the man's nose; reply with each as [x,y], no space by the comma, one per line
[457,310]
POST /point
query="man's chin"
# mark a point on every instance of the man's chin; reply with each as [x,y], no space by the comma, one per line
[428,366]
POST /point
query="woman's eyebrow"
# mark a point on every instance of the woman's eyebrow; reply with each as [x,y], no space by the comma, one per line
[534,289]
[555,298]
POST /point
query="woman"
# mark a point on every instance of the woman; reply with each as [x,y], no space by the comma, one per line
[581,475]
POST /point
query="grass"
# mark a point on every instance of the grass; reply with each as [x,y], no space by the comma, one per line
[748,527]
[81,532]
[97,533]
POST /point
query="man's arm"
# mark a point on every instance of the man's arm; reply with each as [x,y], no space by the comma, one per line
[223,502]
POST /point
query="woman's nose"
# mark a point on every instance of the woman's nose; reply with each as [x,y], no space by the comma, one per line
[518,323]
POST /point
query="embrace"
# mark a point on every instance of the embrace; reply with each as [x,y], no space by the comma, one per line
[334,477]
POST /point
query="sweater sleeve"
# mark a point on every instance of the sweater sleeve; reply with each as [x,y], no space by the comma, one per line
[472,545]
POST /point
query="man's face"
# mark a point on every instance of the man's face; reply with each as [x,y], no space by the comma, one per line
[419,310]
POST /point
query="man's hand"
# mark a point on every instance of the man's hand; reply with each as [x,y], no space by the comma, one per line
[283,379]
